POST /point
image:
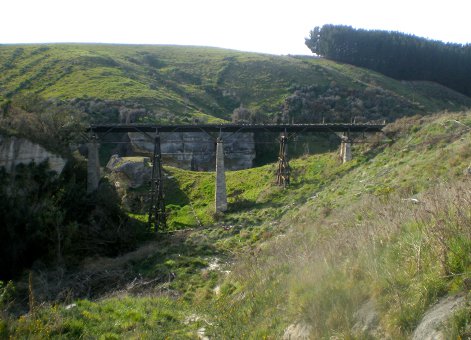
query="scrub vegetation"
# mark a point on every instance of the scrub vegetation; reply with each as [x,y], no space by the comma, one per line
[124,83]
[388,232]
[391,227]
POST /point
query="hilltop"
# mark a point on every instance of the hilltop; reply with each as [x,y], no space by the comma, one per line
[122,83]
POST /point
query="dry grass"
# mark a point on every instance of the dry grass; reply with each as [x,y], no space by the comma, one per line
[381,249]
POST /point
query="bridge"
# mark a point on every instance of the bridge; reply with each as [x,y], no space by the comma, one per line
[217,132]
[208,128]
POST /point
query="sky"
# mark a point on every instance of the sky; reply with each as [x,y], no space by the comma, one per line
[274,27]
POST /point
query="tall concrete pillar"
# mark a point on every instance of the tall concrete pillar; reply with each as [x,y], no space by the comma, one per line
[345,147]
[221,196]
[93,166]
[347,151]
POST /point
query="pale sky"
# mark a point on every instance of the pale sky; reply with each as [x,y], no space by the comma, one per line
[276,27]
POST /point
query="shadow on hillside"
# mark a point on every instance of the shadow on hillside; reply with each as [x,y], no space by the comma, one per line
[242,205]
[173,193]
[375,151]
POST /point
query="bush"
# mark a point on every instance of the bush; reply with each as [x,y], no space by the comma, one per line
[50,218]
[7,294]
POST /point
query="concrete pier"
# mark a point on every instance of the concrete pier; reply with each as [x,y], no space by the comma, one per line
[221,195]
[347,151]
[345,148]
[93,166]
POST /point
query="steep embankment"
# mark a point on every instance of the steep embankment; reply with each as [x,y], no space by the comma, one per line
[372,250]
[386,234]
[128,83]
[360,249]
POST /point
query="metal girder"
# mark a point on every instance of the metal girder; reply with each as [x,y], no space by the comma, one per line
[208,128]
[284,170]
[157,217]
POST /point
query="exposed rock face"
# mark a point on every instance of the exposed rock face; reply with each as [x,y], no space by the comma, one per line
[197,150]
[136,169]
[367,322]
[14,151]
[366,318]
[431,326]
[298,331]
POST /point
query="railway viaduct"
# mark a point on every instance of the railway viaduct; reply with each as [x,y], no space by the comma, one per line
[218,132]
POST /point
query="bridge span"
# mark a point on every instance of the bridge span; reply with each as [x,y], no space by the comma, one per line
[215,128]
[218,132]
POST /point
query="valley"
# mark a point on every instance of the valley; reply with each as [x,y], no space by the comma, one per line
[350,250]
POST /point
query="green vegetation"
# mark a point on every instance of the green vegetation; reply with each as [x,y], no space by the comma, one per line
[398,55]
[115,318]
[122,83]
[390,228]
[51,219]
[363,238]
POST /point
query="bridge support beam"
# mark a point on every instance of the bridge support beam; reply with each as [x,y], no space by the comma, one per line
[157,217]
[221,195]
[93,165]
[346,148]
[284,170]
[347,154]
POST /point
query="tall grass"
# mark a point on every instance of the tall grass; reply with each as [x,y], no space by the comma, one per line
[391,230]
[400,254]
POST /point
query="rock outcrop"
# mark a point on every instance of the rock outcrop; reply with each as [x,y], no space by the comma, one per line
[196,150]
[15,151]
[431,326]
[137,170]
[298,331]
[366,320]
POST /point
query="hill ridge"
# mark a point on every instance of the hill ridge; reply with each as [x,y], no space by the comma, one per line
[182,83]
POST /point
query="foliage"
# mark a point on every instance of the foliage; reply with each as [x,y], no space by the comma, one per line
[391,226]
[116,318]
[125,83]
[50,218]
[242,115]
[354,241]
[395,54]
[56,125]
[459,326]
[338,104]
[7,293]
[338,236]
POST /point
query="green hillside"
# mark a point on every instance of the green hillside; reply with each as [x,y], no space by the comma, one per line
[182,83]
[390,227]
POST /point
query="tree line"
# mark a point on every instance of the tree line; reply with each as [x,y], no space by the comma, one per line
[398,55]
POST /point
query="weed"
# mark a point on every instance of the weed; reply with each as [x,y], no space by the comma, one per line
[459,325]
[391,227]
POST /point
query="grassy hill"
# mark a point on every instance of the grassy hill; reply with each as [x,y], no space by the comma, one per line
[182,83]
[389,228]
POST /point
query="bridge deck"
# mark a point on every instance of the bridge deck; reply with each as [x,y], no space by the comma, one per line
[298,128]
